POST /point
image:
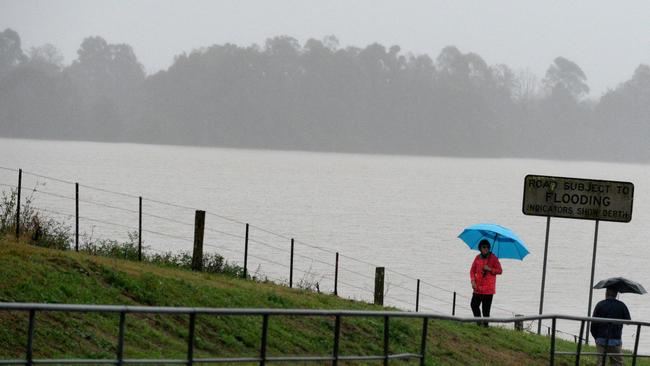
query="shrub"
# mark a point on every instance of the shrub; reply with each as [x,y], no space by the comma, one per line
[43,231]
[212,262]
[37,228]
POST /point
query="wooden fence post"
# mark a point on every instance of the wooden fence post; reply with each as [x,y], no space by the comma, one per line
[199,226]
[20,183]
[291,267]
[519,324]
[453,305]
[417,297]
[246,253]
[379,286]
[76,214]
[336,275]
[140,228]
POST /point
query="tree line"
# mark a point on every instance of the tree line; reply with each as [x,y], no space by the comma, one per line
[321,96]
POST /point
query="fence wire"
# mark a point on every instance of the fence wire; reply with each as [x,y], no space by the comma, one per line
[165,222]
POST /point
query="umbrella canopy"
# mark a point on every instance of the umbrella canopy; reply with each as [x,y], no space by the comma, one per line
[621,284]
[504,243]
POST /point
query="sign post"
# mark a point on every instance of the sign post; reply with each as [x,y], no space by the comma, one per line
[591,287]
[541,296]
[575,198]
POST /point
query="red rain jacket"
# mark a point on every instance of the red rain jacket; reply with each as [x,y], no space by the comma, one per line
[485,281]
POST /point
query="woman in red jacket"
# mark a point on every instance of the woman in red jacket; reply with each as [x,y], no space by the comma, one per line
[483,275]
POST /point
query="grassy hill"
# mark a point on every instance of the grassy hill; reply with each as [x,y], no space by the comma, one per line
[33,274]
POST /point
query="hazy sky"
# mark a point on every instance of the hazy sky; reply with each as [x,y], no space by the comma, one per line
[608,39]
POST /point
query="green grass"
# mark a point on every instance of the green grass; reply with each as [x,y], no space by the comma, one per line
[32,274]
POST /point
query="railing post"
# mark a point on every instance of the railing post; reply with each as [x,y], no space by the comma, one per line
[120,339]
[579,350]
[190,340]
[417,297]
[453,305]
[140,228]
[291,267]
[336,275]
[246,253]
[337,336]
[30,337]
[20,184]
[552,358]
[265,327]
[379,286]
[76,217]
[636,344]
[423,344]
[386,338]
[199,226]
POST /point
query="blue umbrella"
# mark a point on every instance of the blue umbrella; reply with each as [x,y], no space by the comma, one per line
[504,243]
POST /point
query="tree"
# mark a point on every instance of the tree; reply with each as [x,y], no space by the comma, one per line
[622,115]
[639,85]
[109,79]
[525,87]
[46,58]
[566,77]
[35,101]
[106,70]
[11,52]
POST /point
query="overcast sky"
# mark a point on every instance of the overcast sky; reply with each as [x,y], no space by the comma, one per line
[608,39]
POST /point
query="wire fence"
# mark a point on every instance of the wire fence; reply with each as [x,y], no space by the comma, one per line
[95,213]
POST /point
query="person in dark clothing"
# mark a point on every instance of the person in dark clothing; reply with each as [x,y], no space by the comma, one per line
[483,276]
[608,336]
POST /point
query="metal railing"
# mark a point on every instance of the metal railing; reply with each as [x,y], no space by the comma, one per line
[263,358]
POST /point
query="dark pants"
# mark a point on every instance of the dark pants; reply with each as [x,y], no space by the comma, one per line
[613,360]
[484,301]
